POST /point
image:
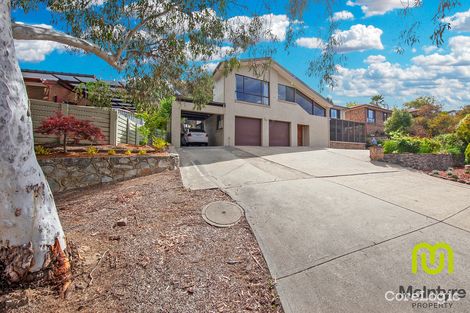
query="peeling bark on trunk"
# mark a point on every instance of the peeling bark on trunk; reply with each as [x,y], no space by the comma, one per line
[29,223]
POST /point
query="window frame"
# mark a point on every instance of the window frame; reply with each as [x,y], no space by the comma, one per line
[314,106]
[371,120]
[385,116]
[251,94]
[285,86]
[338,113]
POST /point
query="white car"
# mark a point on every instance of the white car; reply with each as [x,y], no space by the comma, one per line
[195,136]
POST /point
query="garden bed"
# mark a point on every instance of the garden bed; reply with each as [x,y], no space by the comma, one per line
[460,175]
[80,151]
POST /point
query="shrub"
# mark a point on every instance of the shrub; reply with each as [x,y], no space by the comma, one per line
[69,127]
[142,152]
[91,150]
[390,146]
[159,144]
[111,152]
[450,143]
[41,150]
[429,146]
[467,154]
[463,129]
[128,152]
[408,144]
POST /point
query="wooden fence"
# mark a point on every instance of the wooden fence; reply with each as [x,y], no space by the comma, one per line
[117,126]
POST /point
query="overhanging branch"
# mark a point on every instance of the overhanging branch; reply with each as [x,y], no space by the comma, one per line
[30,32]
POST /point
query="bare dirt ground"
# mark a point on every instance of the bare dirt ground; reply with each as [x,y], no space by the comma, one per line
[166,259]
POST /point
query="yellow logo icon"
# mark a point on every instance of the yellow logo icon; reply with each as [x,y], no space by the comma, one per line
[430,266]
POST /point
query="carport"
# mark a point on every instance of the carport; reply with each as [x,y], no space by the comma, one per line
[211,116]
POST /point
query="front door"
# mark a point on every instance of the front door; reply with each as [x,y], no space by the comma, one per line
[300,135]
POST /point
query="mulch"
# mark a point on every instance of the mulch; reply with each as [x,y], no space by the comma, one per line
[165,259]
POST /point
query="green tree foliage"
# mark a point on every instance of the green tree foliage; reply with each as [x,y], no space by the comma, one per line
[99,93]
[451,142]
[463,129]
[423,109]
[156,44]
[156,119]
[442,123]
[399,121]
[351,104]
[378,100]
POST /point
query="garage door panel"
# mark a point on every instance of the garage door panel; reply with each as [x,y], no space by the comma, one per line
[279,133]
[247,131]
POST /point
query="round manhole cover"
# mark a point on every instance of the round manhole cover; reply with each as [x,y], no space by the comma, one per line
[222,213]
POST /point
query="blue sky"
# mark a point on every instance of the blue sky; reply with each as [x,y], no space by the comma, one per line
[369,32]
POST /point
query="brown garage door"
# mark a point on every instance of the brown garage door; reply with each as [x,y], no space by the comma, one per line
[278,133]
[247,131]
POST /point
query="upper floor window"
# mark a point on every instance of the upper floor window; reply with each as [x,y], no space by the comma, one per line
[370,116]
[318,110]
[304,102]
[290,94]
[252,90]
[335,113]
[385,116]
[286,93]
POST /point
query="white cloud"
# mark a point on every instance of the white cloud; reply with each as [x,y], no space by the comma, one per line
[358,38]
[310,42]
[459,21]
[429,49]
[36,50]
[379,7]
[274,26]
[342,15]
[444,76]
[371,59]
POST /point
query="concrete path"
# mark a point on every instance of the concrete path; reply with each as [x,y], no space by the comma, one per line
[338,231]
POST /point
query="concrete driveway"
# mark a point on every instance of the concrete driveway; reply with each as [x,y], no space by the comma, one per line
[336,230]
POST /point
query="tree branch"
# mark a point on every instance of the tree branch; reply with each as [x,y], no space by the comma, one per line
[133,31]
[29,32]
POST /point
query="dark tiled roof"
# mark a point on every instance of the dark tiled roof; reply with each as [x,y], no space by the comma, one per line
[74,79]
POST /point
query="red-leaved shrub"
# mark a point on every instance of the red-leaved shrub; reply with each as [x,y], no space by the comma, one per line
[70,128]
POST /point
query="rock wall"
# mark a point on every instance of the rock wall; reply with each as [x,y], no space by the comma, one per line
[425,162]
[70,173]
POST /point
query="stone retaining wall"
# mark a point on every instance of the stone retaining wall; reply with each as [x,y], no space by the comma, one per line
[347,145]
[71,173]
[425,162]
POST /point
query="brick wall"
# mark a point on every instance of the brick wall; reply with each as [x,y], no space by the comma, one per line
[359,114]
[347,145]
[356,115]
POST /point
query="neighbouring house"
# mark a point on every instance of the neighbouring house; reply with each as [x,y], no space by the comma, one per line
[60,87]
[273,108]
[372,116]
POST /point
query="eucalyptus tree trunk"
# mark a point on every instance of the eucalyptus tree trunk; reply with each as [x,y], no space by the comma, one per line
[29,223]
